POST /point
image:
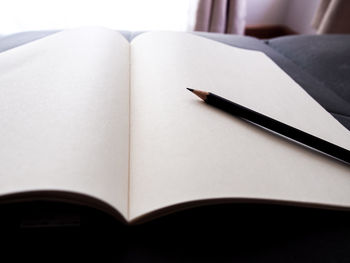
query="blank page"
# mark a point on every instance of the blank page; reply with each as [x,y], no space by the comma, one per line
[184,150]
[64,106]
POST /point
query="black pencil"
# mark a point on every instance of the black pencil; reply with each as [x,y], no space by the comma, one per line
[274,125]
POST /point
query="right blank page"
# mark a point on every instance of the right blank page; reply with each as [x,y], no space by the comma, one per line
[184,150]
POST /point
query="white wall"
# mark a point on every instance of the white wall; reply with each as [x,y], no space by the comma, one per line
[22,15]
[296,14]
[266,11]
[300,14]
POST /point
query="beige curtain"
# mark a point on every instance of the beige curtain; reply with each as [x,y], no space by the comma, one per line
[223,16]
[332,16]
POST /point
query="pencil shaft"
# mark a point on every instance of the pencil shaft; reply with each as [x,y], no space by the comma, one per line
[279,127]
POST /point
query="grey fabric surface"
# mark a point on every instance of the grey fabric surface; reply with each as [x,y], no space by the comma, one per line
[326,59]
[320,64]
[15,40]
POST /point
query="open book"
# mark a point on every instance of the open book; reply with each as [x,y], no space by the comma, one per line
[88,117]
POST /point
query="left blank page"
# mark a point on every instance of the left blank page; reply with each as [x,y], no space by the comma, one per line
[64,125]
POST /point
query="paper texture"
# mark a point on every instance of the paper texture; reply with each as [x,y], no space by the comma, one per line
[184,150]
[64,105]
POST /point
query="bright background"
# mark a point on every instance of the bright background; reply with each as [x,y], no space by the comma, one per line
[24,15]
[133,15]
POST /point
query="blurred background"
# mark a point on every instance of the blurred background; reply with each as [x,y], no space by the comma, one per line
[261,18]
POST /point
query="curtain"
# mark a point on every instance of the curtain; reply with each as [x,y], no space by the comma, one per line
[223,16]
[332,16]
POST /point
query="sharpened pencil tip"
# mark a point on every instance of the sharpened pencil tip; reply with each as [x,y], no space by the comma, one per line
[190,89]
